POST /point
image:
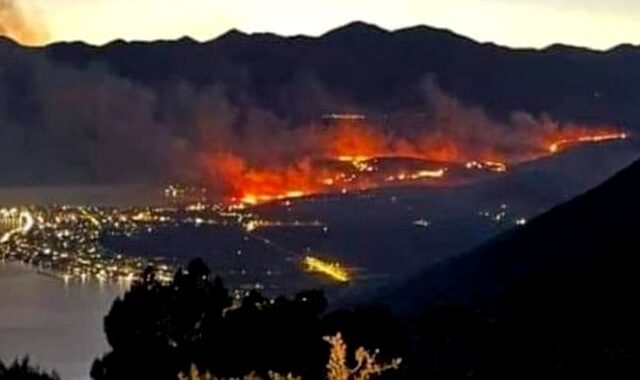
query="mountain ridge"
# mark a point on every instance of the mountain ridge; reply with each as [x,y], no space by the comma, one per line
[362,66]
[596,228]
[350,25]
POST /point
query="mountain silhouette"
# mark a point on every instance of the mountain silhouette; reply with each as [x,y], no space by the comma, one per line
[581,255]
[381,70]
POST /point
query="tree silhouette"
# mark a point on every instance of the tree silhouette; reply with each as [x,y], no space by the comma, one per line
[158,330]
[23,370]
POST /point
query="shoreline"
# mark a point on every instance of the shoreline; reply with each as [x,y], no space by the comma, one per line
[41,314]
[60,278]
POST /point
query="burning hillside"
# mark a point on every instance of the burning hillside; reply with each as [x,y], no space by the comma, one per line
[450,143]
[584,138]
[352,154]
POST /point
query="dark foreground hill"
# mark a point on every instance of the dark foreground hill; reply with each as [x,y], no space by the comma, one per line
[581,258]
[556,299]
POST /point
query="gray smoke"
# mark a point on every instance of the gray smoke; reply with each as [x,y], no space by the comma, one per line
[64,125]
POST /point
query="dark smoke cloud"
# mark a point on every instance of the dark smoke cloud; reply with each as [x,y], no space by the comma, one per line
[14,24]
[516,138]
[63,125]
[520,136]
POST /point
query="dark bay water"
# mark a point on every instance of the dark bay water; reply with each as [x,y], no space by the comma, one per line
[59,326]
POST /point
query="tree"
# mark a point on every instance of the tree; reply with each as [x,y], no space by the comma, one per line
[154,327]
[367,366]
[158,330]
[23,370]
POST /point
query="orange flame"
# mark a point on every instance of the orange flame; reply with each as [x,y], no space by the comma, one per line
[352,141]
[572,138]
[253,186]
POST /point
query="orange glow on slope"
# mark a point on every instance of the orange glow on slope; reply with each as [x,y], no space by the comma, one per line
[353,141]
[421,174]
[498,167]
[364,148]
[356,141]
[254,186]
[565,142]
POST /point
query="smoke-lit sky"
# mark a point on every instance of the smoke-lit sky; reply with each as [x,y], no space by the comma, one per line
[593,23]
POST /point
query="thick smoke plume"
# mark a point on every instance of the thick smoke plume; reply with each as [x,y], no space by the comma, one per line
[16,24]
[447,132]
[63,125]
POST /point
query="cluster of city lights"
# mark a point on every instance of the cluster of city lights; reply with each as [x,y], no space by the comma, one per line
[65,241]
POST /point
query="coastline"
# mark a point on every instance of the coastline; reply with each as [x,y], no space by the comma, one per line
[42,314]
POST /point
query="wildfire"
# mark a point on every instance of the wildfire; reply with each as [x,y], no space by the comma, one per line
[498,167]
[252,186]
[331,270]
[360,163]
[253,199]
[560,144]
[352,155]
[421,174]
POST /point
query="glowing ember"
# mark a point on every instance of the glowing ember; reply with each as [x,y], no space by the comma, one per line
[251,199]
[498,167]
[360,163]
[251,226]
[421,174]
[559,145]
[331,270]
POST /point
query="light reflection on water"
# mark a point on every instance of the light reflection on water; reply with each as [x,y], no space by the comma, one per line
[59,326]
